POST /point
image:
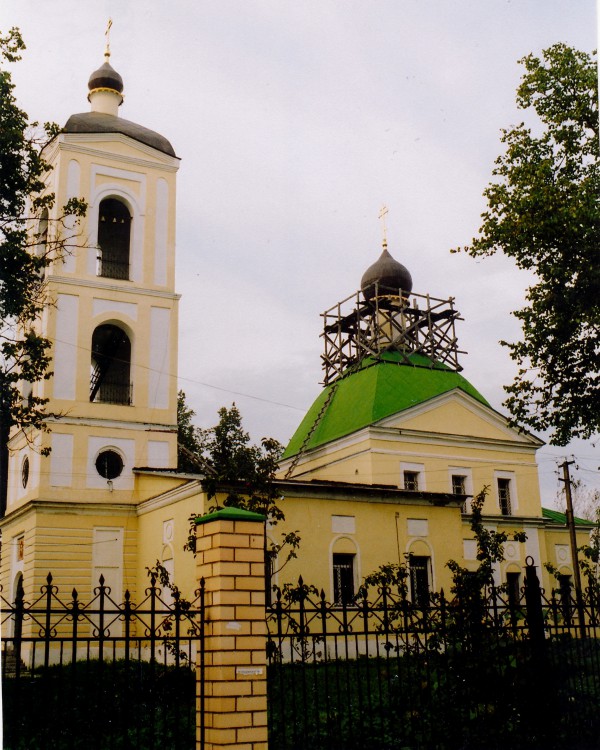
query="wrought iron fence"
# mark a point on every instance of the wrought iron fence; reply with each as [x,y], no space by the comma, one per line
[473,672]
[102,674]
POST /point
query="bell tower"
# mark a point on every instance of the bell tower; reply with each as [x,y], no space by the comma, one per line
[111,319]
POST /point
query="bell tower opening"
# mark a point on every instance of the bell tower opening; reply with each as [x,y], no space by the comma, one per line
[110,381]
[114,239]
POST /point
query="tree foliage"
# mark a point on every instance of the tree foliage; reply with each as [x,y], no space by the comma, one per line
[241,474]
[189,438]
[33,233]
[544,212]
[472,584]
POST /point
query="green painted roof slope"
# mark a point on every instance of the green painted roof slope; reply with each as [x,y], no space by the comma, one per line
[378,389]
[558,517]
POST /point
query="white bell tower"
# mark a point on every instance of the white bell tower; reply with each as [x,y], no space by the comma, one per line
[112,321]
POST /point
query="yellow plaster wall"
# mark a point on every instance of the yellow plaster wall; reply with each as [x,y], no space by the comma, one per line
[59,540]
[376,539]
[154,546]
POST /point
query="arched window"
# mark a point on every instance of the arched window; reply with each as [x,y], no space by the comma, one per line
[114,230]
[343,563]
[110,381]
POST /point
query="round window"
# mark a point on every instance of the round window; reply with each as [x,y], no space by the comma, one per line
[109,464]
[25,471]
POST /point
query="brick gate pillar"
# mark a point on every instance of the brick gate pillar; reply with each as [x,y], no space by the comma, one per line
[230,557]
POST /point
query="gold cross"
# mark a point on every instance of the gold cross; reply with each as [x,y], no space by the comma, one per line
[107,35]
[382,215]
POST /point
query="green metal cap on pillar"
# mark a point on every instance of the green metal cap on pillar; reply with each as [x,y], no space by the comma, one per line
[230,514]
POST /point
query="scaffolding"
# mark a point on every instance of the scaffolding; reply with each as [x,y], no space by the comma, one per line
[376,320]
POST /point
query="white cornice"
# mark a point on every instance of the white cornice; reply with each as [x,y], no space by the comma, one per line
[113,424]
[457,457]
[53,507]
[183,492]
[92,284]
[73,142]
[401,435]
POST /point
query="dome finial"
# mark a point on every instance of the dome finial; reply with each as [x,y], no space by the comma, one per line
[386,277]
[107,35]
[382,214]
[106,85]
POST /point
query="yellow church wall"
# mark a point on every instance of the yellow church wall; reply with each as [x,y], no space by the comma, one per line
[60,539]
[377,457]
[345,463]
[559,551]
[163,531]
[452,416]
[153,484]
[384,532]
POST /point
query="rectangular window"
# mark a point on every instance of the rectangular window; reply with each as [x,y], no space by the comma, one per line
[343,578]
[565,587]
[411,480]
[419,580]
[459,484]
[504,496]
[513,589]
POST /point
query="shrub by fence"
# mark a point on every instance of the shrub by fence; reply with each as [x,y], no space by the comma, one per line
[383,672]
[100,674]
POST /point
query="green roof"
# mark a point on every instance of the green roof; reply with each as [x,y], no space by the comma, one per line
[378,389]
[558,517]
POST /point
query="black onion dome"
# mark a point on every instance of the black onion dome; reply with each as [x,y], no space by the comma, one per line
[389,275]
[106,77]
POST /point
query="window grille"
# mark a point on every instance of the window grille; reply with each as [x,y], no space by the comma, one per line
[343,578]
[411,480]
[504,497]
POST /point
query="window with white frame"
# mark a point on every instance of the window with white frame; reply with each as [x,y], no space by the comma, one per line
[343,578]
[459,486]
[506,492]
[412,477]
[420,579]
[461,483]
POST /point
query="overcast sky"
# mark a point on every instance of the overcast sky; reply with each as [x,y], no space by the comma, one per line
[295,121]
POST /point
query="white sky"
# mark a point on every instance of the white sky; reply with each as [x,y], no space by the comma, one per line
[295,121]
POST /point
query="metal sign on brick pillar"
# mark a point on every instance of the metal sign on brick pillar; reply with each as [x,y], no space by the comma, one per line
[232,701]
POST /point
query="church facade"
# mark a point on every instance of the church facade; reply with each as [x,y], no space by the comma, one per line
[381,470]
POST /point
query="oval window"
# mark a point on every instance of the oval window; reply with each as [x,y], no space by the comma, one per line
[109,464]
[25,472]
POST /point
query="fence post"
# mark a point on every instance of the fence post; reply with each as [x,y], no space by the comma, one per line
[533,601]
[231,558]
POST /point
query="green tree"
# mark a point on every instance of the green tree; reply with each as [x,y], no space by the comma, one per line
[243,475]
[544,212]
[189,439]
[33,233]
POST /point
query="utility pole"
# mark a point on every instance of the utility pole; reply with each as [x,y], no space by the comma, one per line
[566,478]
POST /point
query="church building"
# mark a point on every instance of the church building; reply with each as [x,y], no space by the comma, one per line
[382,468]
